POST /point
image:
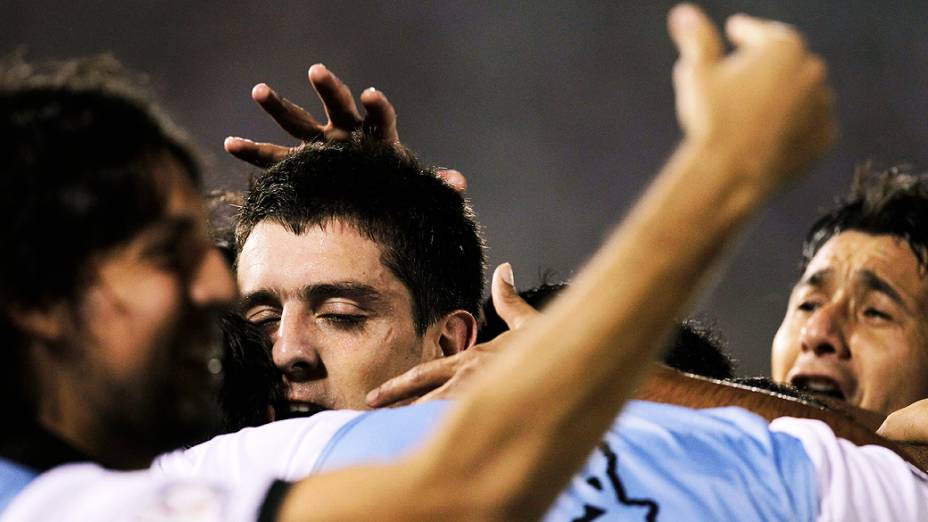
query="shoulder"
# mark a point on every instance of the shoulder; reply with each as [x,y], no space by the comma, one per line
[286,450]
[90,492]
[866,482]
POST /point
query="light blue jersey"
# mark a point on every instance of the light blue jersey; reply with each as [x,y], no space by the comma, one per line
[13,479]
[657,462]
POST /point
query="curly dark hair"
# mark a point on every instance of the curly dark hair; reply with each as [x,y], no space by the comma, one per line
[891,201]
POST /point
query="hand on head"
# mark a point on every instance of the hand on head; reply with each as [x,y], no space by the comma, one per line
[343,119]
[447,377]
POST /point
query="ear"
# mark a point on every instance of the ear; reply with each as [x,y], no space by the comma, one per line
[457,332]
[47,324]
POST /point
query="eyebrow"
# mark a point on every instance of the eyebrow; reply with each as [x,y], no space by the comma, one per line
[313,293]
[868,278]
[817,279]
[878,284]
[263,297]
[348,289]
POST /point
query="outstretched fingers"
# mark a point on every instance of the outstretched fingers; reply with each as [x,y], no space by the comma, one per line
[381,116]
[261,155]
[339,104]
[289,116]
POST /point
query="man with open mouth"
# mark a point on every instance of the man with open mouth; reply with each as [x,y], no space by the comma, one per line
[856,328]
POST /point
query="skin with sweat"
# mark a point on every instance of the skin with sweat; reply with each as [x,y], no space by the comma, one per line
[341,322]
[858,322]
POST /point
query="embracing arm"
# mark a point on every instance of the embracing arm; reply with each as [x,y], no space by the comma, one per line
[513,441]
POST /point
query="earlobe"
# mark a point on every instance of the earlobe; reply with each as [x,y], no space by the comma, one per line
[47,324]
[458,332]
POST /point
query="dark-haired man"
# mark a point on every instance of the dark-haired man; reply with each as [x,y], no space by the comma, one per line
[359,264]
[856,327]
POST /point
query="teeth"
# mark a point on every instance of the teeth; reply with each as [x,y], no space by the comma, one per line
[822,385]
[299,408]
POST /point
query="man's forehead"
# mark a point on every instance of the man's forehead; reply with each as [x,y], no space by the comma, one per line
[273,256]
[861,257]
[857,250]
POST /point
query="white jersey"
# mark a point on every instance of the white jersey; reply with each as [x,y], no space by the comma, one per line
[722,463]
[287,450]
[87,492]
[657,462]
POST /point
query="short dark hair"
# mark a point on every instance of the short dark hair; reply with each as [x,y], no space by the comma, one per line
[698,348]
[78,143]
[891,201]
[251,383]
[427,231]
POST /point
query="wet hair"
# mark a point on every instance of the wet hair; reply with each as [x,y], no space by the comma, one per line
[890,202]
[79,146]
[426,231]
[251,383]
[696,347]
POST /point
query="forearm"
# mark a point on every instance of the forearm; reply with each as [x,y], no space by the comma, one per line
[567,375]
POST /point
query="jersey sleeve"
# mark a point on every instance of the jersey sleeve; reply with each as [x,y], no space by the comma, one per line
[285,450]
[862,483]
[81,492]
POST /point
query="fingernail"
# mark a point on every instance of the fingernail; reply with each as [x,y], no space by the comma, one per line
[507,275]
[371,89]
[371,398]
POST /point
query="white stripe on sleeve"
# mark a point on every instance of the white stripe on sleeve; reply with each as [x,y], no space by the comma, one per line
[864,483]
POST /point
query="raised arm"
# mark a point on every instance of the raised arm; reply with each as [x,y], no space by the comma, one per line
[750,119]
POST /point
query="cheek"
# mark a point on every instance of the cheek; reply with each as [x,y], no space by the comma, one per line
[890,357]
[382,353]
[785,349]
[128,325]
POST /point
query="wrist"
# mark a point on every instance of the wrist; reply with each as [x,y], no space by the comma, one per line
[738,180]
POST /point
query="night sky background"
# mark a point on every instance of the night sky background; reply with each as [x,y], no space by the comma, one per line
[558,114]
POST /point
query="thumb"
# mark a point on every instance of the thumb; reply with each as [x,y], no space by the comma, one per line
[694,34]
[506,300]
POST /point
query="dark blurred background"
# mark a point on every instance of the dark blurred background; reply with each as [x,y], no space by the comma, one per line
[558,114]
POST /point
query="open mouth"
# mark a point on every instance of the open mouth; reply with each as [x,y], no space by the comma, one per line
[820,386]
[296,410]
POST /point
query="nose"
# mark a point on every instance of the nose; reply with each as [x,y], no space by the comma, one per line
[294,352]
[212,283]
[823,334]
